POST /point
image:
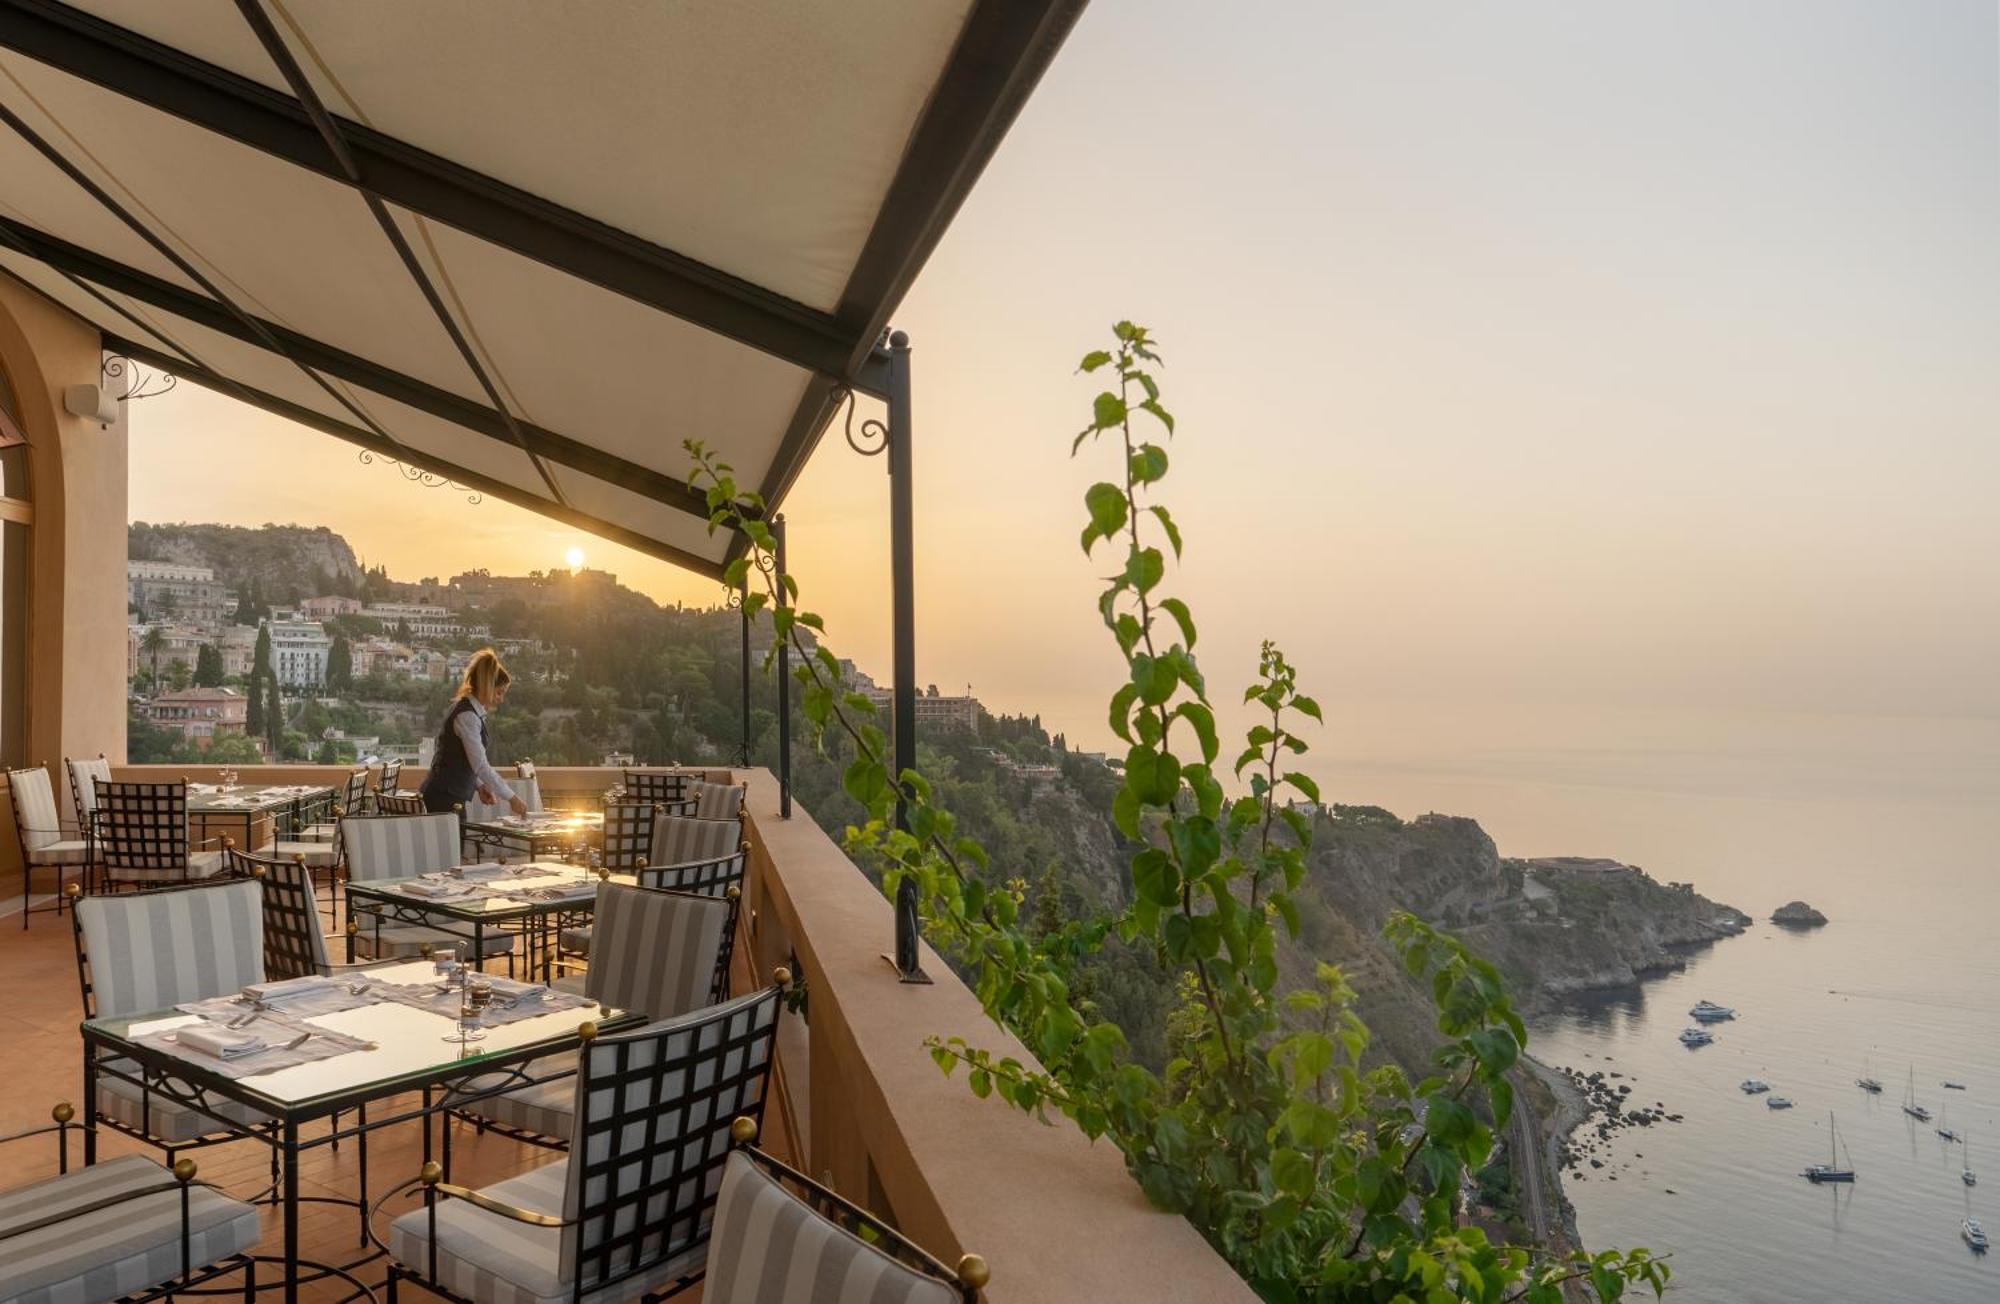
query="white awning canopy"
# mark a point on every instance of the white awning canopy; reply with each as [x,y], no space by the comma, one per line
[527,245]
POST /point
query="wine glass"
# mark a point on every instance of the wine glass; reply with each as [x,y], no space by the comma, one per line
[474,995]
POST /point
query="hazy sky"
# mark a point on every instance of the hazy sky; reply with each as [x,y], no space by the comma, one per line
[1537,365]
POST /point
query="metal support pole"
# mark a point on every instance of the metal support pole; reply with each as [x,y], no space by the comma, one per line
[784,682]
[744,596]
[903,583]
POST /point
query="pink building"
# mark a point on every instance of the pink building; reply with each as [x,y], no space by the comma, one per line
[201,714]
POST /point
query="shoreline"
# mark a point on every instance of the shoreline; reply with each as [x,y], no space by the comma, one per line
[1572,1111]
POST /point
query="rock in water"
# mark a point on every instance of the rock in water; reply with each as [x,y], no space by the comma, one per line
[1797,914]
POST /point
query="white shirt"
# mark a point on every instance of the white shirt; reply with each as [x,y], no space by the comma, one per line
[468,724]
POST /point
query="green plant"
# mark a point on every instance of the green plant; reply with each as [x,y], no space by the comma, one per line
[1316,1177]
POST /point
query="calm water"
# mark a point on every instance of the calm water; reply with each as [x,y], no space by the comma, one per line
[1891,825]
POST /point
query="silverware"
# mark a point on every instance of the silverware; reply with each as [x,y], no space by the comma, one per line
[244,1020]
[297,1041]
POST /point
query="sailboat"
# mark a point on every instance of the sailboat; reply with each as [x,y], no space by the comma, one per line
[1910,1105]
[1974,1235]
[1832,1170]
[1867,1081]
[1944,1126]
[1967,1175]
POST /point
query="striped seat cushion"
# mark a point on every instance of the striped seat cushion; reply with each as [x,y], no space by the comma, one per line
[654,952]
[127,1247]
[495,1260]
[404,941]
[161,1117]
[200,865]
[575,941]
[318,832]
[766,1246]
[319,855]
[63,851]
[545,1108]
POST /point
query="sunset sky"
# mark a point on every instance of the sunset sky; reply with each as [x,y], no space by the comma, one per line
[1552,377]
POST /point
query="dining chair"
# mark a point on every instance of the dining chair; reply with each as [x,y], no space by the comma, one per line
[126,1228]
[385,786]
[46,842]
[628,835]
[84,772]
[781,1238]
[652,786]
[142,835]
[353,800]
[403,846]
[720,877]
[681,839]
[399,803]
[294,939]
[718,801]
[660,953]
[626,1212]
[141,951]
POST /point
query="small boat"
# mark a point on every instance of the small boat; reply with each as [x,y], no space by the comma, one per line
[1710,1012]
[1869,1085]
[1910,1105]
[1751,1086]
[1778,1102]
[1832,1170]
[1696,1037]
[1944,1126]
[1967,1175]
[1952,1086]
[1974,1235]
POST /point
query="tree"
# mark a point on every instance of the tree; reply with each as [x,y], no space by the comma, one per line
[340,665]
[208,666]
[246,607]
[253,722]
[152,645]
[178,675]
[274,712]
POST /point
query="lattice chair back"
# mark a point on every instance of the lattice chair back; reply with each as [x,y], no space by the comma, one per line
[142,951]
[681,839]
[711,878]
[660,953]
[392,774]
[718,801]
[398,846]
[35,817]
[354,798]
[628,834]
[142,830]
[652,1117]
[396,803]
[294,943]
[781,1238]
[83,777]
[653,786]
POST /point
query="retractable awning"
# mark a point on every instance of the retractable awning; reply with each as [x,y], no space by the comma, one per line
[527,245]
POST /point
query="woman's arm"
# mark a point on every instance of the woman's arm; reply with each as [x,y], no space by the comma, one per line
[467,725]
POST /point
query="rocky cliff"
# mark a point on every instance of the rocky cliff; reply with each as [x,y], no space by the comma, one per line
[286,562]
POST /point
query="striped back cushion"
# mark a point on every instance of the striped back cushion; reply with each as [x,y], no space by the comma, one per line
[397,846]
[83,777]
[718,801]
[652,1112]
[150,950]
[767,1246]
[654,952]
[34,807]
[678,839]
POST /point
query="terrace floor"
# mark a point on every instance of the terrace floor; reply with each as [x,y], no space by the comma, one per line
[43,1059]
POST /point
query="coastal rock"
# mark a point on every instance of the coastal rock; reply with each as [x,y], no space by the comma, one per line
[1797,914]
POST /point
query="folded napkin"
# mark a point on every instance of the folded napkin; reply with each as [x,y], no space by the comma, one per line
[436,890]
[507,989]
[286,989]
[581,888]
[214,1039]
[485,871]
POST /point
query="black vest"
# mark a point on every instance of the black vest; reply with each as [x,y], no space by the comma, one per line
[451,781]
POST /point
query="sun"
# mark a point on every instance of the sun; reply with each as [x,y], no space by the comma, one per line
[574,559]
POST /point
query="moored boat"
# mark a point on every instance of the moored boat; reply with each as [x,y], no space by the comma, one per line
[1696,1037]
[1974,1235]
[1751,1086]
[1832,1170]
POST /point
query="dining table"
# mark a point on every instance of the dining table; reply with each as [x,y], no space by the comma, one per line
[534,901]
[539,835]
[286,809]
[325,1049]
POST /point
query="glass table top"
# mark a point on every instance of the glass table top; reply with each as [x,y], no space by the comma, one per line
[521,889]
[409,1045]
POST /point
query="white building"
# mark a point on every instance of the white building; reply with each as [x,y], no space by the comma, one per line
[422,620]
[172,572]
[299,650]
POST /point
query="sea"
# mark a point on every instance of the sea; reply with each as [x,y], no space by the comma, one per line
[1890,826]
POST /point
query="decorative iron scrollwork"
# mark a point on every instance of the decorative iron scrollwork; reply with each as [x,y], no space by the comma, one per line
[129,378]
[873,441]
[428,479]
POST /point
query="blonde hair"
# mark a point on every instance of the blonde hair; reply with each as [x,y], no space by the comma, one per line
[484,676]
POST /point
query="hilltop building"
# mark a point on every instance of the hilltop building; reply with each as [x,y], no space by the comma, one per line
[201,714]
[299,650]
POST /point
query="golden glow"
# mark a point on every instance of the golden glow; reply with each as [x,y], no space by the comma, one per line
[573,559]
